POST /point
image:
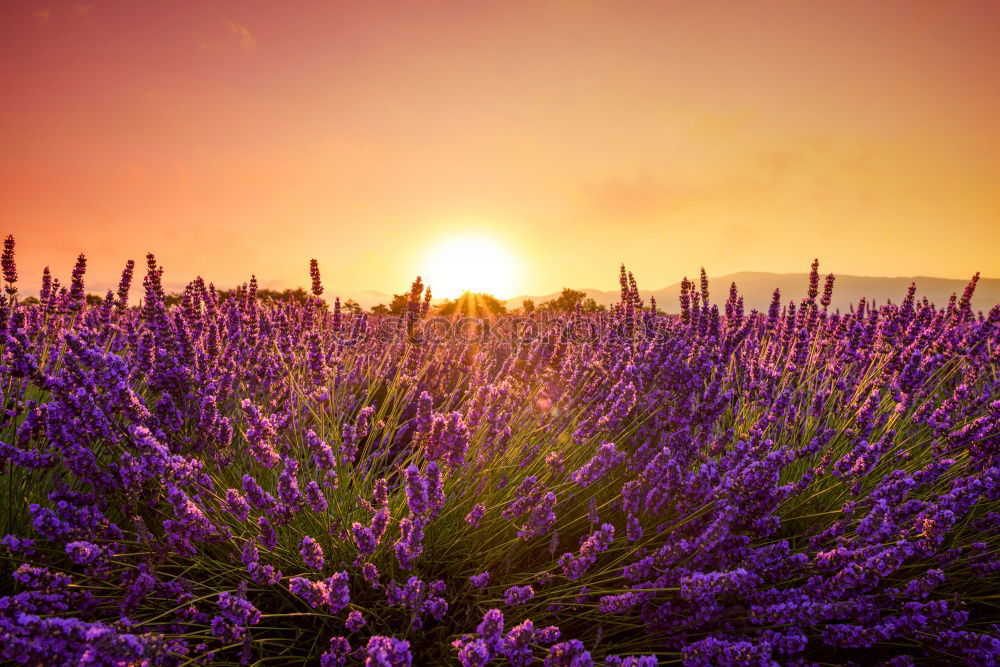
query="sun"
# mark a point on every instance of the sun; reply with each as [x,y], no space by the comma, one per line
[469,264]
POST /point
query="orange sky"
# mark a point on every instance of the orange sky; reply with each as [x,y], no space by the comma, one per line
[240,137]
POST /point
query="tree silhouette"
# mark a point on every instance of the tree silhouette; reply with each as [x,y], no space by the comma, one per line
[396,307]
[473,305]
[567,301]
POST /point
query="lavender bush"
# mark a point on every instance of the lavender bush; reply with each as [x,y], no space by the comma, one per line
[232,481]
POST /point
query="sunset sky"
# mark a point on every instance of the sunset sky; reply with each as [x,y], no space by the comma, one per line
[241,137]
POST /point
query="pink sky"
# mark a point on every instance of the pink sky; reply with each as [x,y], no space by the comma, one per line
[242,137]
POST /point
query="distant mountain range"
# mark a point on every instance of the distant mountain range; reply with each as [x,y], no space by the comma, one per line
[756,288]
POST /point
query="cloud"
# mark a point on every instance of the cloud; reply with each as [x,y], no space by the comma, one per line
[633,198]
[247,42]
[42,15]
[84,12]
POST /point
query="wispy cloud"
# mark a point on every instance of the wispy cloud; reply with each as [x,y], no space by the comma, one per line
[633,198]
[84,12]
[42,15]
[247,42]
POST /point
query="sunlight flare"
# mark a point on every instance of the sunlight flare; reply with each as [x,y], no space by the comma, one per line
[470,264]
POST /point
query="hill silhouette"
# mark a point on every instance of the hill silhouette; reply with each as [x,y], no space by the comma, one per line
[756,288]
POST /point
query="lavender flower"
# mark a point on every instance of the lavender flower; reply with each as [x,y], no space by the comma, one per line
[315,497]
[364,539]
[317,286]
[605,460]
[568,654]
[237,505]
[792,484]
[8,266]
[312,553]
[409,546]
[473,653]
[338,653]
[370,573]
[355,621]
[518,595]
[77,296]
[387,652]
[576,566]
[475,515]
[322,452]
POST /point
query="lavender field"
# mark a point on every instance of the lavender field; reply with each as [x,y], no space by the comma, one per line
[229,480]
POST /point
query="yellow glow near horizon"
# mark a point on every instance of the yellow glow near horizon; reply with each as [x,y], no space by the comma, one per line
[470,264]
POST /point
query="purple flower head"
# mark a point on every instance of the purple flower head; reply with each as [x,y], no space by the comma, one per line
[447,439]
[77,295]
[491,629]
[125,284]
[422,599]
[518,595]
[425,407]
[18,544]
[288,486]
[338,593]
[249,554]
[409,546]
[237,505]
[260,435]
[517,644]
[549,635]
[190,526]
[475,515]
[606,459]
[827,297]
[315,497]
[265,575]
[416,492]
[332,592]
[379,523]
[317,285]
[387,652]
[83,553]
[268,537]
[338,653]
[568,654]
[363,538]
[813,281]
[236,613]
[540,518]
[313,592]
[370,573]
[633,529]
[322,453]
[576,566]
[380,494]
[312,553]
[355,621]
[8,265]
[258,497]
[435,489]
[473,653]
